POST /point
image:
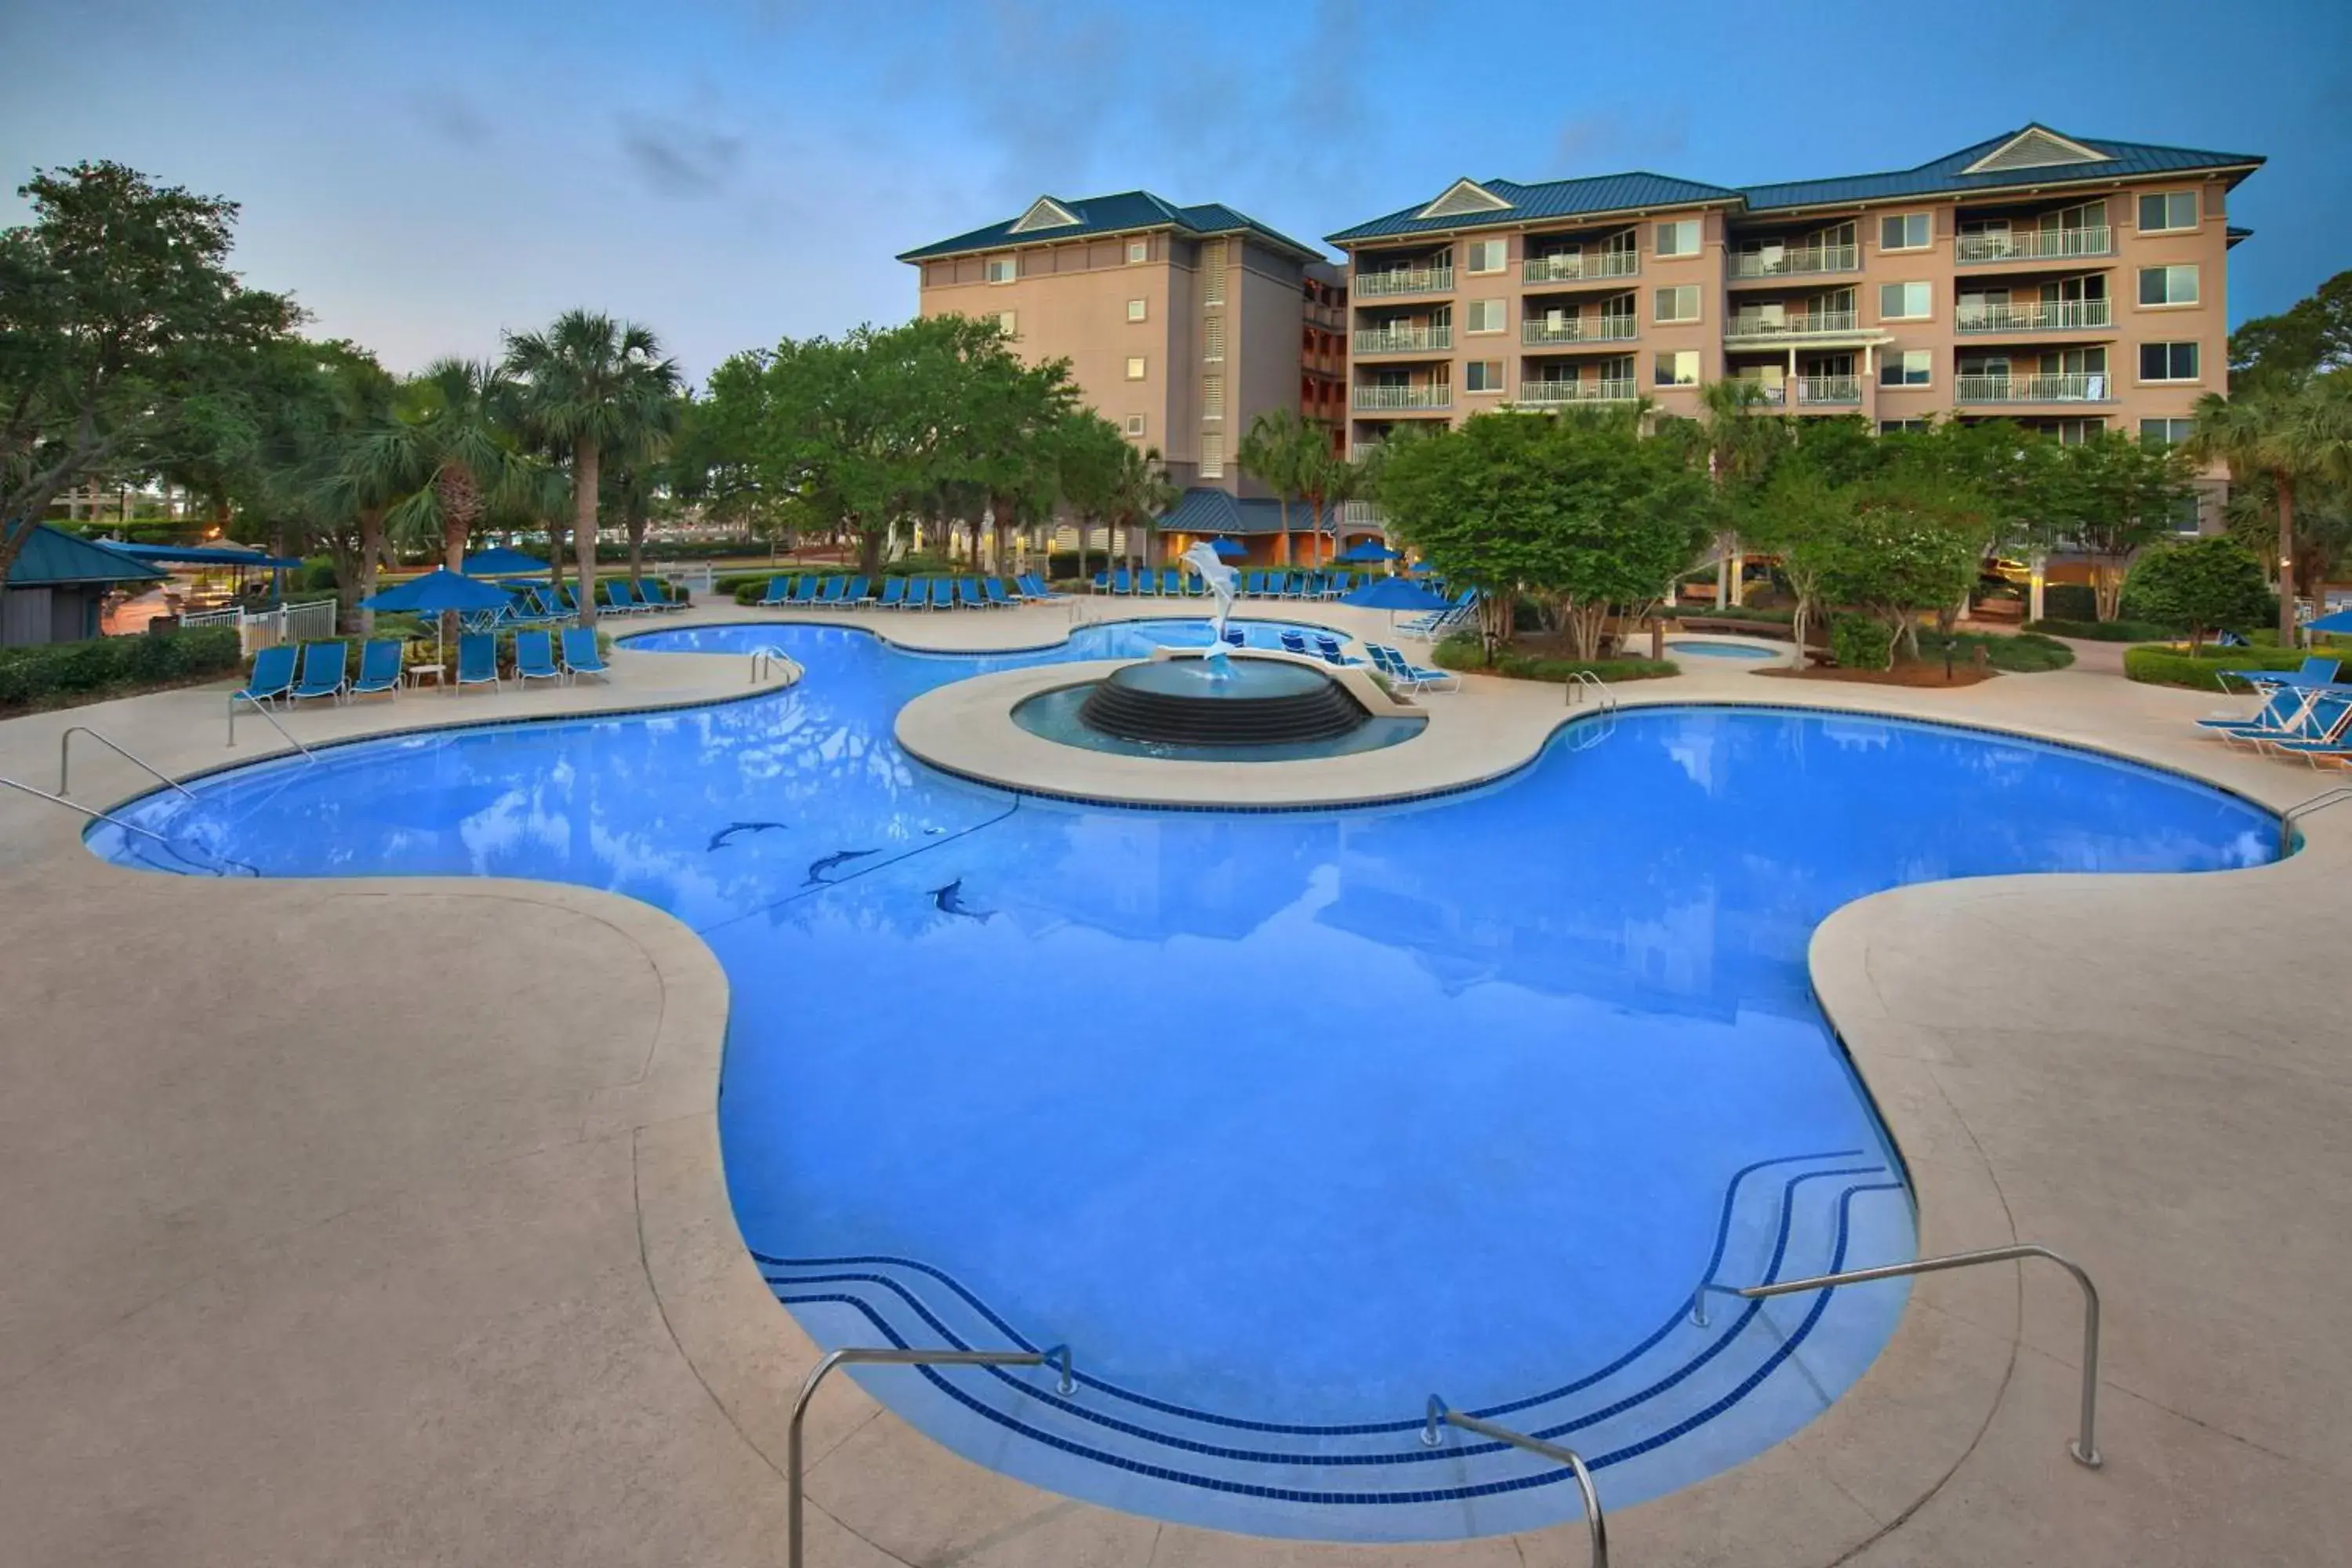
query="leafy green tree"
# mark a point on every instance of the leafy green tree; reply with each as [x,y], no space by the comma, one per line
[1090,456]
[1278,451]
[2206,585]
[1579,511]
[2285,433]
[603,388]
[2111,496]
[1140,494]
[1894,545]
[1326,481]
[1739,444]
[120,321]
[2313,335]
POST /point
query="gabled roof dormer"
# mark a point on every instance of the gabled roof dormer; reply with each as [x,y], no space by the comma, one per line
[1045,213]
[2035,147]
[1465,198]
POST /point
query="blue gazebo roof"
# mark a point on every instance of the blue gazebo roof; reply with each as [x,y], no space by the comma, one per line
[52,557]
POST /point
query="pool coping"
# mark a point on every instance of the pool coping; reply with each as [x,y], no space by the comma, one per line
[733,1351]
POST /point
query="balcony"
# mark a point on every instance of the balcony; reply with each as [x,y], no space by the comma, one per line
[1405,339]
[1554,394]
[2035,316]
[1829,391]
[1577,329]
[1575,267]
[1403,399]
[1784,329]
[1798,263]
[2034,245]
[2093,387]
[1402,281]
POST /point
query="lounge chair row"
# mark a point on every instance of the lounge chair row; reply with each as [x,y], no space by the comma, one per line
[2304,713]
[905,592]
[325,666]
[1410,677]
[1435,624]
[537,606]
[1326,647]
[1172,582]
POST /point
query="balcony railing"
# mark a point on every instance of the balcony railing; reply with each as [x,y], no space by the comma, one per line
[1403,339]
[2034,316]
[2094,388]
[1831,390]
[1812,324]
[2034,245]
[1796,263]
[1576,266]
[1379,399]
[1402,281]
[1577,329]
[1549,393]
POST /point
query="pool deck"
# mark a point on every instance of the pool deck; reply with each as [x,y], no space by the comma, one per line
[382,1221]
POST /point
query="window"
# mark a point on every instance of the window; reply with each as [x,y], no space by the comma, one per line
[1489,254]
[1134,425]
[2167,362]
[1485,316]
[1912,367]
[1483,375]
[1212,454]
[1678,239]
[1904,426]
[2164,432]
[1135,367]
[1213,272]
[1213,339]
[1138,309]
[2168,284]
[2190,518]
[1679,368]
[1212,397]
[1137,250]
[1003,268]
[2165,211]
[1903,303]
[1005,322]
[1906,231]
[1677,304]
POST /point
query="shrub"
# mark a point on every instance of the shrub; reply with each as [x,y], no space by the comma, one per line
[1859,643]
[103,666]
[2201,584]
[2104,631]
[317,575]
[1761,616]
[1464,651]
[927,564]
[2069,602]
[2173,666]
[2027,653]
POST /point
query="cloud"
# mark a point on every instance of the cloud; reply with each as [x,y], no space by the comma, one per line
[673,159]
[1613,134]
[450,115]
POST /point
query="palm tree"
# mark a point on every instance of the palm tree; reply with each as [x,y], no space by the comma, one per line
[1326,479]
[1276,452]
[1140,492]
[1739,446]
[600,386]
[2283,432]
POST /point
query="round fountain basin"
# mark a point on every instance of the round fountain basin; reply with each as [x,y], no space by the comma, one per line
[1221,702]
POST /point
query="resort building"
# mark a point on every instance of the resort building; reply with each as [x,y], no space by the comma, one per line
[2069,283]
[1182,324]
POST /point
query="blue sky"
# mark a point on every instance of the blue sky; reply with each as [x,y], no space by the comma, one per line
[728,172]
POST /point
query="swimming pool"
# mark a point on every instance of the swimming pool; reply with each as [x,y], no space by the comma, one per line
[1703,650]
[1284,1122]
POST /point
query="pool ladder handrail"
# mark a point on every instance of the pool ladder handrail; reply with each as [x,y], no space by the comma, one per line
[876,1355]
[261,708]
[1579,681]
[2084,1447]
[65,759]
[95,816]
[1596,1525]
[771,657]
[2311,807]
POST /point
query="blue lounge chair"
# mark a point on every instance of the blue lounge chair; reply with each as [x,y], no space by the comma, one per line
[272,677]
[967,593]
[535,658]
[1314,589]
[323,667]
[779,589]
[580,655]
[893,594]
[919,594]
[828,593]
[1409,675]
[859,590]
[2325,732]
[1254,585]
[379,667]
[1171,582]
[1102,582]
[1119,582]
[667,595]
[2316,671]
[2279,710]
[477,660]
[1332,650]
[995,592]
[1294,642]
[803,592]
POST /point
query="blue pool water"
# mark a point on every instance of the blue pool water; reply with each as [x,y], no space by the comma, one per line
[1720,649]
[1283,1121]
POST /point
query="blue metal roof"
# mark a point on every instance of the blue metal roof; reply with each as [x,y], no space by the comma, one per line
[1555,198]
[1643,191]
[201,556]
[53,556]
[1125,212]
[1204,510]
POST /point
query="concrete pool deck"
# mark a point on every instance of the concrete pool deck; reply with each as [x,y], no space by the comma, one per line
[412,1243]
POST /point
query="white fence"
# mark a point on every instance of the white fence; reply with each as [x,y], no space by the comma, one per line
[272,628]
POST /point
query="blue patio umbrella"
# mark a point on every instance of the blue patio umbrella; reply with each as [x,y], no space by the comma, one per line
[437,592]
[1393,593]
[505,563]
[2337,625]
[1226,549]
[1417,568]
[1369,549]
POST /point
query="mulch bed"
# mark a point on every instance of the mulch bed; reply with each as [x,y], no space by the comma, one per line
[1918,674]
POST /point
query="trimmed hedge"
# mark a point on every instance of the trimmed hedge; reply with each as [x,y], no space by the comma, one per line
[1762,617]
[2104,631]
[104,666]
[1857,642]
[2173,666]
[2027,653]
[1463,652]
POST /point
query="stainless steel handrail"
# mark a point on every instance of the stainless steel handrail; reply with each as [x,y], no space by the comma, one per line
[1573,688]
[860,1355]
[772,657]
[2084,1448]
[236,697]
[65,750]
[2311,807]
[1596,1526]
[85,811]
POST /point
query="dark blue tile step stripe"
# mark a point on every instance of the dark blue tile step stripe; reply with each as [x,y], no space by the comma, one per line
[1552,1476]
